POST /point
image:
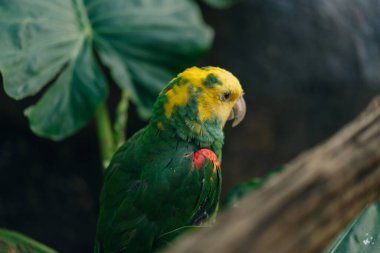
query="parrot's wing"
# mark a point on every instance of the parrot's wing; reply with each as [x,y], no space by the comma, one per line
[208,174]
[150,192]
[209,194]
[119,216]
[209,168]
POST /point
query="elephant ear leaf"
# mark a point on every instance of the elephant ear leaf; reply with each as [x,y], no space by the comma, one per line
[61,47]
[362,235]
[13,242]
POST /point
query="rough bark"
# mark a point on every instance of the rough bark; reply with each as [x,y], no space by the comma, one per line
[305,207]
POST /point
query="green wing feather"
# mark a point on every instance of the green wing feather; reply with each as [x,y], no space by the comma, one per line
[152,192]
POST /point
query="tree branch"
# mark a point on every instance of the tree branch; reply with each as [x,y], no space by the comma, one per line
[303,208]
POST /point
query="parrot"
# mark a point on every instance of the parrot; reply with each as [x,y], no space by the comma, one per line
[166,178]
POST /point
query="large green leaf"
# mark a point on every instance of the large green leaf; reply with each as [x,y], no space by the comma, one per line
[13,242]
[362,235]
[62,43]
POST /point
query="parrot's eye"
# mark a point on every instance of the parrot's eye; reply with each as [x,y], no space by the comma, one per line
[226,96]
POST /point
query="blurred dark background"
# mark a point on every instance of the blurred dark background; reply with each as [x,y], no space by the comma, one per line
[307,67]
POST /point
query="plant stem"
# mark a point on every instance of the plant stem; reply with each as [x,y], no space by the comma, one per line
[121,120]
[105,135]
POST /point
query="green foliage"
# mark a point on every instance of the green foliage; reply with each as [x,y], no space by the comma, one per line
[12,242]
[362,235]
[241,190]
[65,45]
[220,3]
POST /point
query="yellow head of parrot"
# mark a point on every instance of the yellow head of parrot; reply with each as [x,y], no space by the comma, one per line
[219,95]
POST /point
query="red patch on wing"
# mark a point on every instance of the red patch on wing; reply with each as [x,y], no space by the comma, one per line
[200,155]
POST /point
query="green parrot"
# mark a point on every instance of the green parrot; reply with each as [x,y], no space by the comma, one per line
[166,178]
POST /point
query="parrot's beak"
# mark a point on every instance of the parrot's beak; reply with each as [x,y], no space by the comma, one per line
[238,112]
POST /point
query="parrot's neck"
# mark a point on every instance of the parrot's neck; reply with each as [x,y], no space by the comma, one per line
[206,135]
[184,123]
